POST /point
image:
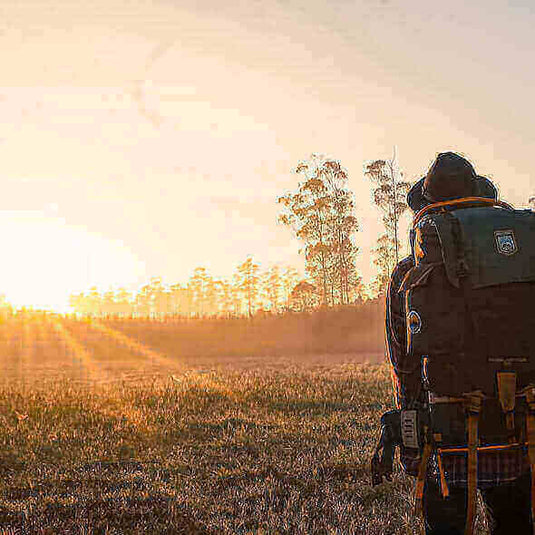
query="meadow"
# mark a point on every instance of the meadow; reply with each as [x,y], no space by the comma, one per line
[103,432]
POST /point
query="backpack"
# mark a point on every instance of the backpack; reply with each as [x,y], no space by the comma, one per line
[469,306]
[469,299]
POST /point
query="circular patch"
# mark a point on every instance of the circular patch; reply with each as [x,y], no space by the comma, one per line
[415,322]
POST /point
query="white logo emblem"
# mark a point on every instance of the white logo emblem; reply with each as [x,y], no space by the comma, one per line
[505,242]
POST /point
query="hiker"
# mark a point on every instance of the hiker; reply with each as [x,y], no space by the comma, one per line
[460,335]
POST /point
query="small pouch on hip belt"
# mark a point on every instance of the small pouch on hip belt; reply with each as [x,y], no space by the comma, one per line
[506,382]
[409,428]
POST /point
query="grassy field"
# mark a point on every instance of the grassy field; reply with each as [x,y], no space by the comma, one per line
[102,433]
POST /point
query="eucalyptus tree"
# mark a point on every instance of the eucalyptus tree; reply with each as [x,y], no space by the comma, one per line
[389,195]
[321,214]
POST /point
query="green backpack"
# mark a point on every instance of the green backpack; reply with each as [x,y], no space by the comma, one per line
[470,298]
[469,303]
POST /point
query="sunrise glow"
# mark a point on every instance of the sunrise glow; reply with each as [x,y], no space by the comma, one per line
[45,260]
[144,140]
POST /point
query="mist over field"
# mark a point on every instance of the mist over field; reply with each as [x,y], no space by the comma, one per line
[39,344]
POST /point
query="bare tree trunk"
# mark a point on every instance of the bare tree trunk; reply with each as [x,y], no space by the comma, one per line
[394,212]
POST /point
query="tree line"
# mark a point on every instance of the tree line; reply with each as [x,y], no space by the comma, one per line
[321,214]
[249,291]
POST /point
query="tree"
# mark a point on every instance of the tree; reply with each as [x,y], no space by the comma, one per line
[200,286]
[343,226]
[248,281]
[179,300]
[94,302]
[385,262]
[237,304]
[321,214]
[532,202]
[143,301]
[304,296]
[289,278]
[6,308]
[108,303]
[123,301]
[272,288]
[225,293]
[212,296]
[78,303]
[389,195]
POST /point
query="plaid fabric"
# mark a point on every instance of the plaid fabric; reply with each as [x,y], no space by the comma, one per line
[493,467]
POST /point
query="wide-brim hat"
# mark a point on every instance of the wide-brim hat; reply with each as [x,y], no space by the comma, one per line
[450,177]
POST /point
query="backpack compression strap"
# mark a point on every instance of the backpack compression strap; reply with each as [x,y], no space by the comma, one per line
[464,202]
[473,407]
[422,472]
[472,402]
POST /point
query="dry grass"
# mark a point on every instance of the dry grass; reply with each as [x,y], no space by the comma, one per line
[217,452]
[226,450]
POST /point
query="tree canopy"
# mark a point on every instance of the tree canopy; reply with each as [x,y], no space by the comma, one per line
[321,213]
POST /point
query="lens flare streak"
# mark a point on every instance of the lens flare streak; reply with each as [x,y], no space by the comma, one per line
[77,350]
[135,346]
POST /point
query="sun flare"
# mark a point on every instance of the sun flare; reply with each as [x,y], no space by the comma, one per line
[45,260]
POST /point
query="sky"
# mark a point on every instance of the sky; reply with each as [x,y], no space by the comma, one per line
[146,138]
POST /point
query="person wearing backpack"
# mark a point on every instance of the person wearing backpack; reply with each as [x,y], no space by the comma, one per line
[461,337]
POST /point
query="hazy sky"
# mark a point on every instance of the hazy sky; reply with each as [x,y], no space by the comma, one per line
[144,138]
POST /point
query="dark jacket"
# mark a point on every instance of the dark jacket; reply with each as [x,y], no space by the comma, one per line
[406,373]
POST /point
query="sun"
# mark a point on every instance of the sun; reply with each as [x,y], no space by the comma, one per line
[45,260]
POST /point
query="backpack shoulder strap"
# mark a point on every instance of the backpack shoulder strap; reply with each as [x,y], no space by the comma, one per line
[464,202]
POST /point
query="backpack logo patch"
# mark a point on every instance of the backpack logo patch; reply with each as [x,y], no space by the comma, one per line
[415,322]
[505,242]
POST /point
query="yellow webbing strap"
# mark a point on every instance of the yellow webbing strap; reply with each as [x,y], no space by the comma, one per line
[473,406]
[420,480]
[530,436]
[443,483]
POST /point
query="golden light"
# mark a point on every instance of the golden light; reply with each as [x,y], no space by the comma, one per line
[44,260]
